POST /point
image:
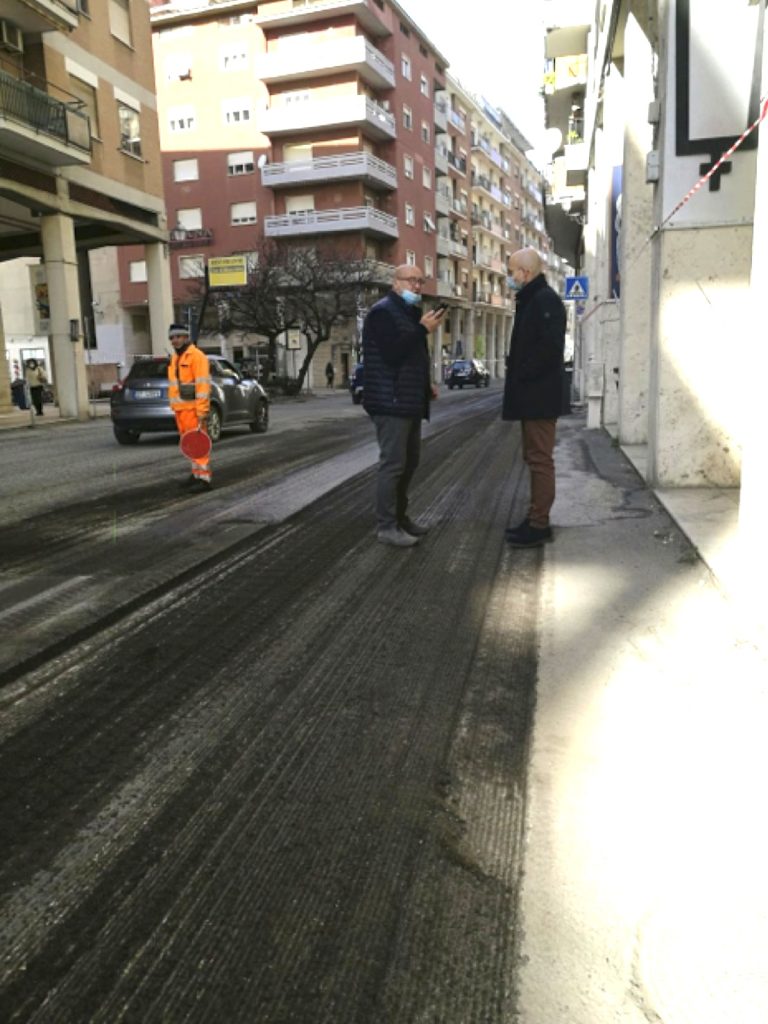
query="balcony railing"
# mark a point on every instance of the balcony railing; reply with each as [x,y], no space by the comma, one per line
[441,115]
[457,120]
[282,15]
[458,163]
[441,160]
[190,238]
[321,222]
[34,123]
[340,112]
[347,166]
[308,59]
[443,202]
[443,245]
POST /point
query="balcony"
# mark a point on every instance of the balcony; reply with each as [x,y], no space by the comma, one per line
[441,160]
[459,207]
[342,112]
[459,249]
[457,163]
[323,222]
[45,15]
[190,238]
[576,163]
[443,245]
[457,121]
[445,289]
[280,15]
[360,166]
[442,203]
[37,127]
[307,60]
[441,116]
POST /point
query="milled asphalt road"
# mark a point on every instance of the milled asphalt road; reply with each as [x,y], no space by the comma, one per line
[323,780]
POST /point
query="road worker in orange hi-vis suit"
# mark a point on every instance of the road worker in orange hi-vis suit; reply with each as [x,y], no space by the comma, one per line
[189,391]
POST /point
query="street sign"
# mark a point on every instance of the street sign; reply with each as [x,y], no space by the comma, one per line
[576,287]
[227,271]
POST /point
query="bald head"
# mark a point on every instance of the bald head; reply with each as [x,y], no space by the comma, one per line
[524,265]
[408,278]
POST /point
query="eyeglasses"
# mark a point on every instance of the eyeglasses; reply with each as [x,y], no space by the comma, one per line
[413,280]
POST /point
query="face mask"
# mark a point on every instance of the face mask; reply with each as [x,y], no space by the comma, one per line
[410,297]
[513,284]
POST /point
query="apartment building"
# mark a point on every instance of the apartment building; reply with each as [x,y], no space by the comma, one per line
[325,121]
[80,170]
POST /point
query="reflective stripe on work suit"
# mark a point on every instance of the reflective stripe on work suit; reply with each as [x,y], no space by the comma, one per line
[192,369]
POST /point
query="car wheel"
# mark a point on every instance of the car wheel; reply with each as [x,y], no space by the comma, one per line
[214,424]
[123,436]
[260,424]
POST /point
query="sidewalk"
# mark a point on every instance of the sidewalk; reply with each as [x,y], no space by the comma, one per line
[644,893]
[21,419]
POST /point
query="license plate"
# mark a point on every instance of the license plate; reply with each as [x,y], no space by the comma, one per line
[147,394]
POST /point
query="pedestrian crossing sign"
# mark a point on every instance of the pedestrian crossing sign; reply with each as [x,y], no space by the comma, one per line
[576,287]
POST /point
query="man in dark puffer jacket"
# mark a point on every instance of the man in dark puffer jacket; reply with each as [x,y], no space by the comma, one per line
[533,388]
[396,395]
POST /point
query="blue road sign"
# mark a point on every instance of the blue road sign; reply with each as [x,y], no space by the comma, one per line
[576,287]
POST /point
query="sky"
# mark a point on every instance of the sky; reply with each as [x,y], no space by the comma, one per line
[495,48]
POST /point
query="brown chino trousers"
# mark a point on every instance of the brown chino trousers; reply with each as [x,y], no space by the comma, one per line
[538,448]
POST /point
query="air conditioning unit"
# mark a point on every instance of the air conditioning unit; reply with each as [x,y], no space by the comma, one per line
[11,37]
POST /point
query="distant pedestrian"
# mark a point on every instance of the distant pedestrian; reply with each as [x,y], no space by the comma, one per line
[396,396]
[189,391]
[35,378]
[330,373]
[533,389]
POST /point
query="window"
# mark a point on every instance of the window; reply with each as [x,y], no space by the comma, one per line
[424,85]
[407,117]
[429,267]
[429,224]
[234,58]
[242,213]
[190,218]
[130,129]
[182,119]
[426,177]
[407,165]
[298,96]
[299,204]
[236,111]
[86,93]
[137,271]
[404,29]
[191,266]
[178,67]
[186,170]
[410,257]
[426,132]
[405,66]
[240,163]
[410,217]
[120,20]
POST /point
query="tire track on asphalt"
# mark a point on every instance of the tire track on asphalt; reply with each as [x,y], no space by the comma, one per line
[310,709]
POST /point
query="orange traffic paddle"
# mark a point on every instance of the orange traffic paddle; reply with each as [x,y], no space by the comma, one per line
[195,444]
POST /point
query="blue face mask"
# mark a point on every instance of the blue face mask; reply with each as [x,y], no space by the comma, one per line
[412,298]
[513,284]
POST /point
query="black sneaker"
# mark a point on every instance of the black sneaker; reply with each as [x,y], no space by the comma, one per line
[527,536]
[188,483]
[516,529]
[200,486]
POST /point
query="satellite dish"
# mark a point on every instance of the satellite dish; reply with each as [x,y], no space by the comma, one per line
[262,161]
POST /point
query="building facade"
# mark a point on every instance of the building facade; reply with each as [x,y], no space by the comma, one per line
[671,168]
[80,171]
[333,120]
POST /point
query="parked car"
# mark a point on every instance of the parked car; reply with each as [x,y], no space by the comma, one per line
[467,371]
[139,403]
[356,384]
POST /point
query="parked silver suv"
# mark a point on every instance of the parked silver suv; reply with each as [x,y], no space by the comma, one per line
[139,403]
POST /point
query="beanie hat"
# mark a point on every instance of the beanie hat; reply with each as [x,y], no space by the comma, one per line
[176,330]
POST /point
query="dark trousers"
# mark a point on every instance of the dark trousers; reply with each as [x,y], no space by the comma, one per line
[399,450]
[36,394]
[538,448]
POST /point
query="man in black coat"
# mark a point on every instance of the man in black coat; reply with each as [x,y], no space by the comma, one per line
[396,395]
[533,388]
